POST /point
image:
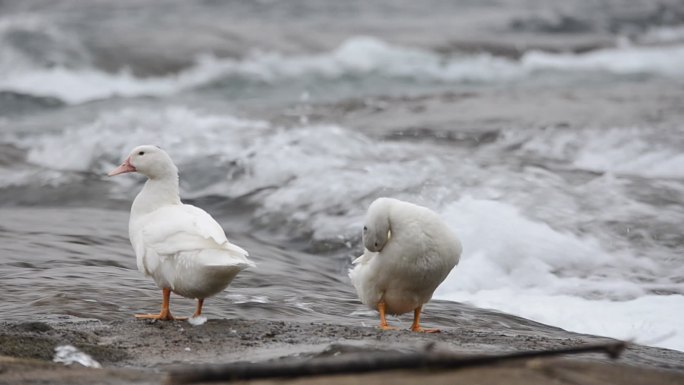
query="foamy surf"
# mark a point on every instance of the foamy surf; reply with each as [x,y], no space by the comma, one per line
[650,320]
[629,60]
[524,267]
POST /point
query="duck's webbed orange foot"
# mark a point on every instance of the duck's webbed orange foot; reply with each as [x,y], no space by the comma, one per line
[165,313]
[424,330]
[160,317]
[198,309]
[383,320]
[416,323]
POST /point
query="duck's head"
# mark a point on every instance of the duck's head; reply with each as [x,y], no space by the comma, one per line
[377,229]
[151,161]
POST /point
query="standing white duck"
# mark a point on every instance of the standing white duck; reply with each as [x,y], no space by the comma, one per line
[408,252]
[180,246]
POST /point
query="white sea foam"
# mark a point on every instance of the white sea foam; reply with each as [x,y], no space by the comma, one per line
[524,267]
[506,249]
[356,57]
[651,319]
[667,60]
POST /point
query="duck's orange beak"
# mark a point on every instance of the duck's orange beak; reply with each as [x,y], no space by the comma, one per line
[125,167]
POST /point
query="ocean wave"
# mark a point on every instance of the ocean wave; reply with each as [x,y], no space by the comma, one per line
[358,57]
[629,60]
[97,146]
[30,43]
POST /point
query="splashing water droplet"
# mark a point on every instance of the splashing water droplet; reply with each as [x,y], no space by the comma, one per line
[197,321]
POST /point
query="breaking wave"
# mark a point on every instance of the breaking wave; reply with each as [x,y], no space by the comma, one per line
[358,57]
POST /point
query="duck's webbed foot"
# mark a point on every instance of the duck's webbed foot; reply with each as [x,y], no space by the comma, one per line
[198,309]
[161,316]
[165,313]
[383,321]
[422,330]
[416,323]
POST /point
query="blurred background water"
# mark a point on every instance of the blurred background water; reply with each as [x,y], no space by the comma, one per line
[547,134]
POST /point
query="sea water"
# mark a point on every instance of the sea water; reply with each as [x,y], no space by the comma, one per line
[577,227]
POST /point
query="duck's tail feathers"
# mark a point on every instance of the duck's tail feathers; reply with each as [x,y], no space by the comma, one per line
[224,257]
[234,248]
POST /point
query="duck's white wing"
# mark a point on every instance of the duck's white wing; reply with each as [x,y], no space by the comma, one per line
[363,276]
[174,229]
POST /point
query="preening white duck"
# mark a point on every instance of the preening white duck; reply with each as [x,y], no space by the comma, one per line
[409,251]
[180,246]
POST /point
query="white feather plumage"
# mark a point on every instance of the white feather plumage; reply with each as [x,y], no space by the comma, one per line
[180,246]
[414,251]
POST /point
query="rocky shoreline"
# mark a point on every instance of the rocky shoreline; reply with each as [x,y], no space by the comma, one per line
[140,352]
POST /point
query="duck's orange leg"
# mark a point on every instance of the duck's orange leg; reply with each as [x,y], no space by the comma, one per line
[165,314]
[383,321]
[198,309]
[416,322]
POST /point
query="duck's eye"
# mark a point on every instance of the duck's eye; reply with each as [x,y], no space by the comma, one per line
[365,228]
[376,244]
[141,153]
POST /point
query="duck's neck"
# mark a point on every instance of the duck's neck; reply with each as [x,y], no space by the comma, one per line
[157,192]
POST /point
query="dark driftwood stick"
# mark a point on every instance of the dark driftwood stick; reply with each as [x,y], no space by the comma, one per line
[371,362]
